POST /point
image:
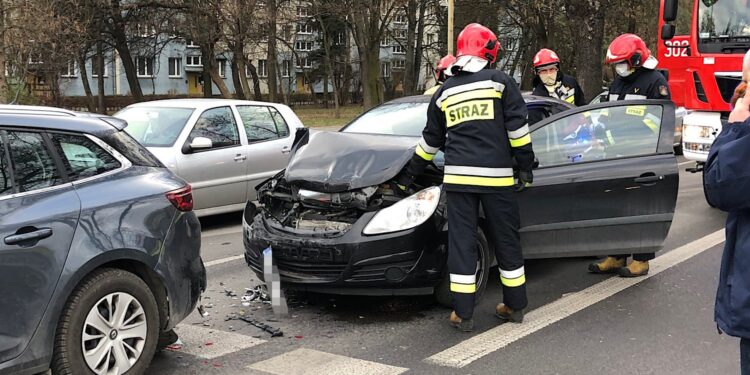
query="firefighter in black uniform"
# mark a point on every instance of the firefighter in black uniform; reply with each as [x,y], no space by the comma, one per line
[551,82]
[479,117]
[635,79]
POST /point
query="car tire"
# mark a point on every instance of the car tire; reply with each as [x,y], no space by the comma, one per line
[678,150]
[443,290]
[93,306]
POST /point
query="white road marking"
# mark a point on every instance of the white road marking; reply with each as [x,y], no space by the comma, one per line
[503,335]
[313,362]
[211,343]
[223,260]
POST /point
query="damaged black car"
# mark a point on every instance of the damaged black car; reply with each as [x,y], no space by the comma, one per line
[606,182]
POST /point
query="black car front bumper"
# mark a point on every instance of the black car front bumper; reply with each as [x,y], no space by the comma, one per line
[408,262]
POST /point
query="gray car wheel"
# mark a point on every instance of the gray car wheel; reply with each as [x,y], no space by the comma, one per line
[110,325]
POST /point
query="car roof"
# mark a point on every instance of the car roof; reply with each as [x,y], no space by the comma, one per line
[198,103]
[51,118]
[528,98]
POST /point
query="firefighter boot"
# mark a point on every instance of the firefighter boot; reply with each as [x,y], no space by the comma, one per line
[608,265]
[463,325]
[506,314]
[634,269]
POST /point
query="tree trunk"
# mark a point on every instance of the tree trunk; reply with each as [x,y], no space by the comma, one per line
[272,59]
[100,78]
[211,71]
[3,82]
[257,94]
[242,72]
[410,81]
[372,88]
[587,21]
[329,69]
[117,29]
[239,90]
[90,103]
[420,38]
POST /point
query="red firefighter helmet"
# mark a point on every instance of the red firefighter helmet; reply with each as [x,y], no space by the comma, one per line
[478,41]
[442,65]
[546,57]
[630,48]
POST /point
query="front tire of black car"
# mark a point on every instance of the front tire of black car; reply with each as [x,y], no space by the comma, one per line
[114,314]
[443,290]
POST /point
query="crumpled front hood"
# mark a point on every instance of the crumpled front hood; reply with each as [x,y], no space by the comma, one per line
[333,162]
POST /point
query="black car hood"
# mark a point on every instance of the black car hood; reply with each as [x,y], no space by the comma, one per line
[333,162]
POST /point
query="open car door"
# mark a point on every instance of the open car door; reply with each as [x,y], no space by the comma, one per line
[607,181]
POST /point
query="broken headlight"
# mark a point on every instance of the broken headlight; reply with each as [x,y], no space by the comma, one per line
[406,213]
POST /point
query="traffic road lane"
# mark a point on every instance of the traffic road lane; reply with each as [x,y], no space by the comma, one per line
[402,332]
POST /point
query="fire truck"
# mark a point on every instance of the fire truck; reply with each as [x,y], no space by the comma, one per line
[701,46]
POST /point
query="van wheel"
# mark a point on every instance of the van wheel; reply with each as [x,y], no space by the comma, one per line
[110,324]
[484,262]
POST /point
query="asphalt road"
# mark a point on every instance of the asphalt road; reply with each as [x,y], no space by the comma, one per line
[578,323]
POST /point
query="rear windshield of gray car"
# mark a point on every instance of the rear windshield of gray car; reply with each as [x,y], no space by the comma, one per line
[155,126]
[396,118]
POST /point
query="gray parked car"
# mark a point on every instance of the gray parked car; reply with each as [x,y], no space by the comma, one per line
[222,147]
[100,251]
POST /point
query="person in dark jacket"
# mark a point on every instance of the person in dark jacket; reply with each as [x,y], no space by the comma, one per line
[636,79]
[551,82]
[478,117]
[727,185]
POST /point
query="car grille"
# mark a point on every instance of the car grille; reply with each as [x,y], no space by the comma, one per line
[315,271]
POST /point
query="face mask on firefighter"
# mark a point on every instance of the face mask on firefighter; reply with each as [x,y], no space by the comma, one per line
[548,76]
[623,69]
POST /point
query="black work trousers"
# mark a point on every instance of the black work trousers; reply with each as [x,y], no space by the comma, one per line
[502,223]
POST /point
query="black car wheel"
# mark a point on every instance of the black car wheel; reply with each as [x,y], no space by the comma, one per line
[110,324]
[484,262]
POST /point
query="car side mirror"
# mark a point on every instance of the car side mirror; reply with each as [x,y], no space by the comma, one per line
[536,163]
[201,143]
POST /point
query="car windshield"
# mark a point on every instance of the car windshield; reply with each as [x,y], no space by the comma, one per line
[392,118]
[155,126]
[724,18]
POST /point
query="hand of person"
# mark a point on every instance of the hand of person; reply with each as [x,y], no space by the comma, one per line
[524,180]
[741,111]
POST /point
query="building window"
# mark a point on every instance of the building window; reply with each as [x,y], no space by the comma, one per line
[145,31]
[401,34]
[35,58]
[191,44]
[288,32]
[286,67]
[399,64]
[304,62]
[145,66]
[303,12]
[385,69]
[95,68]
[222,67]
[430,38]
[398,49]
[70,69]
[262,68]
[304,46]
[304,28]
[194,61]
[384,42]
[175,67]
[340,39]
[400,18]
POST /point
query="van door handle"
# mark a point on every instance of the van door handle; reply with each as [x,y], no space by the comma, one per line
[648,179]
[35,235]
[240,157]
[286,150]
